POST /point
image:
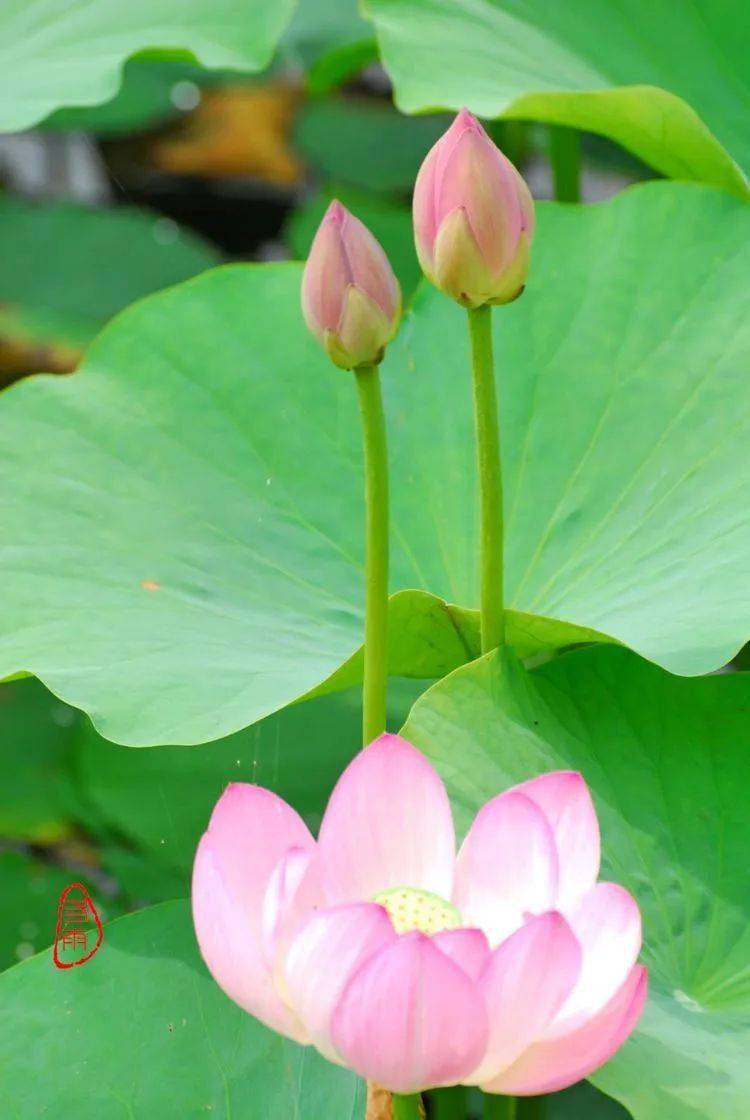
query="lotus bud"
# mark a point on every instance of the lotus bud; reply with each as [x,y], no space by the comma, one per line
[351,299]
[473,217]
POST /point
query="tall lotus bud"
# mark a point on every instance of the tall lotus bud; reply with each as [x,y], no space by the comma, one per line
[351,299]
[473,217]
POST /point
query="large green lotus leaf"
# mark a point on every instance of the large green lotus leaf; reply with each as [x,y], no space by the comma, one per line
[326,38]
[429,638]
[53,53]
[625,416]
[144,100]
[102,261]
[582,1102]
[183,519]
[142,1031]
[671,82]
[667,761]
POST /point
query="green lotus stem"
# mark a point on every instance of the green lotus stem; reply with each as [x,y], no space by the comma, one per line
[513,139]
[492,613]
[531,1108]
[449,1104]
[514,1108]
[376,553]
[500,1108]
[565,157]
[407,1108]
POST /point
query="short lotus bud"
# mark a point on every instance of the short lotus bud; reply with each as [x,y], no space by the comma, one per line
[351,299]
[473,217]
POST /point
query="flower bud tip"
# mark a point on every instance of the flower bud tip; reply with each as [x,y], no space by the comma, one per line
[351,299]
[473,217]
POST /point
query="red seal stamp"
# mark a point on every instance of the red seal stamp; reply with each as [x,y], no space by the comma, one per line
[78,925]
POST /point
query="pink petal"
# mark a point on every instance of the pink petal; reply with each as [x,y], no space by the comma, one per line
[513,278]
[233,956]
[327,274]
[280,893]
[526,981]
[322,958]
[459,269]
[249,831]
[528,215]
[363,329]
[388,824]
[293,892]
[564,798]
[423,207]
[507,866]
[410,1018]
[370,268]
[479,179]
[549,1066]
[469,948]
[427,218]
[608,925]
[463,123]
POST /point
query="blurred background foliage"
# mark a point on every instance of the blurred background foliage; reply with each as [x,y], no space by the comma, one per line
[185,168]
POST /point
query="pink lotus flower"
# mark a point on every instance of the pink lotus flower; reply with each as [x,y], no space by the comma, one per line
[473,217]
[351,299]
[507,966]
